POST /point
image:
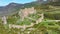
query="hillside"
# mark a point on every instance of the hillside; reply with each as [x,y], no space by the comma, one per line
[30,18]
[10,9]
[14,7]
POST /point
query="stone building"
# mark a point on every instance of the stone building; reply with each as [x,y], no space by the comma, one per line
[25,12]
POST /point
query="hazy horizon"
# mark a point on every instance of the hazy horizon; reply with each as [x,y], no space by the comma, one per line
[6,2]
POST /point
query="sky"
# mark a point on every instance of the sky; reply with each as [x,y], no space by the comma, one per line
[6,2]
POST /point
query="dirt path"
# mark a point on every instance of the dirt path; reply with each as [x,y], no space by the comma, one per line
[53,20]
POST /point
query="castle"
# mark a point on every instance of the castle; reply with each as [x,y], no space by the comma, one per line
[25,12]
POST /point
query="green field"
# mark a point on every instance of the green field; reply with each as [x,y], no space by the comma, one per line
[44,27]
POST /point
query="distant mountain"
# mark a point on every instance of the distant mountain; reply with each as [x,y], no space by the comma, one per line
[14,7]
[10,9]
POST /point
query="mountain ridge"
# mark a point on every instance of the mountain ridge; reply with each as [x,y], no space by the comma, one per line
[12,8]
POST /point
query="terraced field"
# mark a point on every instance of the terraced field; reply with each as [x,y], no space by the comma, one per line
[45,27]
[41,28]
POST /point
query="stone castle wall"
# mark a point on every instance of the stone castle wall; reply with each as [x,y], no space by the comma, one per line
[25,12]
